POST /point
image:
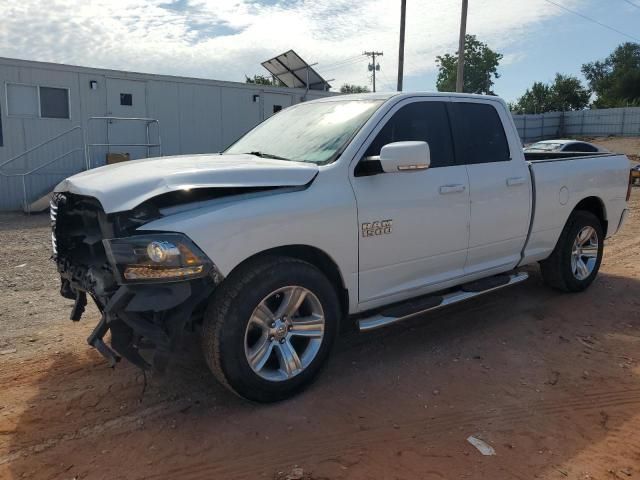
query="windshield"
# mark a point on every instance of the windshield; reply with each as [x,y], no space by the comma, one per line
[307,132]
[545,146]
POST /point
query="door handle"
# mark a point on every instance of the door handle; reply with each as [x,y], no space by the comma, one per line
[514,181]
[445,189]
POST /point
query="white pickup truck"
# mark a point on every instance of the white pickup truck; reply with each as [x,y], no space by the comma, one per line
[364,209]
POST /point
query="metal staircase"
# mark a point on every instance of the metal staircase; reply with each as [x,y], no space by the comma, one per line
[31,192]
[35,192]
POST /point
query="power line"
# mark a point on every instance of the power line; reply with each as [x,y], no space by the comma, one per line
[593,20]
[340,62]
[339,68]
[631,3]
[341,65]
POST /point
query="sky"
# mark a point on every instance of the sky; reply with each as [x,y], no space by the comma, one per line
[228,39]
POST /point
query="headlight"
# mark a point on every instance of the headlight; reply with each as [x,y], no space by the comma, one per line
[157,257]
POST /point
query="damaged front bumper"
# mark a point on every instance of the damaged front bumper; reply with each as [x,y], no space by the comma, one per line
[146,318]
[142,313]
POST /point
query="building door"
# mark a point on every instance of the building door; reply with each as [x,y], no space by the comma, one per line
[128,99]
[274,102]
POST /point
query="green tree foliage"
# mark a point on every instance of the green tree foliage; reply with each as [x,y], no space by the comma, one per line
[565,93]
[536,99]
[569,93]
[348,88]
[616,79]
[480,68]
[263,80]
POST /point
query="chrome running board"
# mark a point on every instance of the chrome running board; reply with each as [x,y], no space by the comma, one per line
[433,302]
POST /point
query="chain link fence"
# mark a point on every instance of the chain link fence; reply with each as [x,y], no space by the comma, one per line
[583,123]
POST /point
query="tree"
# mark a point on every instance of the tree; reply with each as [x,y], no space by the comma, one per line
[616,80]
[349,88]
[569,93]
[263,80]
[565,93]
[536,99]
[480,68]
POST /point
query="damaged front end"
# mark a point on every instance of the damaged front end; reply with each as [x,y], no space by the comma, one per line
[148,287]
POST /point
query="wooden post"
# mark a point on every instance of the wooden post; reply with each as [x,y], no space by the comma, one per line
[403,11]
[463,32]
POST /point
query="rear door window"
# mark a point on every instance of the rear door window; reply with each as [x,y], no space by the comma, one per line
[478,134]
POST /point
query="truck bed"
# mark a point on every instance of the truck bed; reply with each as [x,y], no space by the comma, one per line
[552,156]
[560,181]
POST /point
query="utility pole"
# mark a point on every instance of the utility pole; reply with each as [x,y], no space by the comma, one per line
[463,32]
[373,66]
[403,12]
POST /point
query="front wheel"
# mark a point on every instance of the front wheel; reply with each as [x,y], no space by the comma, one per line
[268,330]
[575,261]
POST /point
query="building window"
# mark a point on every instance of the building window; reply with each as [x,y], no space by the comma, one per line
[22,100]
[277,108]
[54,102]
[1,138]
[126,99]
[34,101]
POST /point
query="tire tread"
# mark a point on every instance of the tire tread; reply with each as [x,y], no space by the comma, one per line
[553,270]
[220,305]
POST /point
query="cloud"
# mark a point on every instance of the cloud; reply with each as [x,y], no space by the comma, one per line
[226,39]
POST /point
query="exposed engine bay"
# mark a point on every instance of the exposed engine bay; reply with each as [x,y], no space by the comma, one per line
[148,288]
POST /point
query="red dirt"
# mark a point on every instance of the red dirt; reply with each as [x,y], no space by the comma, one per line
[551,381]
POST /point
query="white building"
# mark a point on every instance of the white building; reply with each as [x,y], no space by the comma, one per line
[49,125]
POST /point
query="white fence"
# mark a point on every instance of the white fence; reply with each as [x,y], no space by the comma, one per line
[583,123]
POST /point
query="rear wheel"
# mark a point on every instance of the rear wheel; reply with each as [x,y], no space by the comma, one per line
[575,261]
[270,327]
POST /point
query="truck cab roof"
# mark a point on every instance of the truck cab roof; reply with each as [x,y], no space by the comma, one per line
[400,95]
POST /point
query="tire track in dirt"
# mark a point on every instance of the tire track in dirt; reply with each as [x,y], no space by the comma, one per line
[353,440]
[620,251]
[28,375]
[591,401]
[119,424]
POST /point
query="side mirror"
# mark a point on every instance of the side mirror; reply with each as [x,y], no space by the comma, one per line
[405,156]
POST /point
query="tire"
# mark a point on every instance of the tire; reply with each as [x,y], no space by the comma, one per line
[562,272]
[235,329]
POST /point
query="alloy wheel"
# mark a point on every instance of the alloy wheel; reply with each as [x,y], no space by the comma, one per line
[284,333]
[584,254]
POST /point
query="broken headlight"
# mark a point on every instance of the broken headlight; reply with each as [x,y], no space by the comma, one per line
[166,257]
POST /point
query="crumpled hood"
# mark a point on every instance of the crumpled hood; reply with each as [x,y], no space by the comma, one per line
[123,186]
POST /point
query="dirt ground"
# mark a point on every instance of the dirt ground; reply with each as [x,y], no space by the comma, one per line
[550,380]
[630,146]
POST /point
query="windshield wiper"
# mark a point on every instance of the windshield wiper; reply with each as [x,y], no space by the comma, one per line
[266,155]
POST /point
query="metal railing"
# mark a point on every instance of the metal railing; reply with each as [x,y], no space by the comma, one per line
[26,204]
[85,149]
[148,145]
[40,145]
[26,201]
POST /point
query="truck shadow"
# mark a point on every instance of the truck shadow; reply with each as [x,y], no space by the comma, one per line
[549,380]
